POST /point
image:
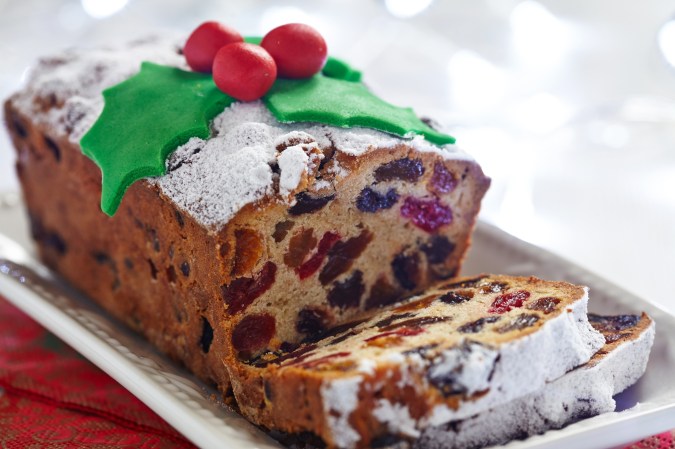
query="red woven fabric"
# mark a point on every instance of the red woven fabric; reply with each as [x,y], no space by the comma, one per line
[50,397]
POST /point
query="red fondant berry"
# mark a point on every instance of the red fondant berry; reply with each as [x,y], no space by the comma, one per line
[244,71]
[428,215]
[298,49]
[205,41]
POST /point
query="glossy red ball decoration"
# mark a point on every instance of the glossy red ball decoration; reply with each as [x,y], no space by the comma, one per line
[244,71]
[298,49]
[205,41]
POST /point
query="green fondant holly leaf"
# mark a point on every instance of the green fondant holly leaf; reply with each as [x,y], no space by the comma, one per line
[145,119]
[344,104]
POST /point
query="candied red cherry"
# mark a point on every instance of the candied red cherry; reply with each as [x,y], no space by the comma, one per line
[205,41]
[298,49]
[504,303]
[244,71]
[428,215]
[253,333]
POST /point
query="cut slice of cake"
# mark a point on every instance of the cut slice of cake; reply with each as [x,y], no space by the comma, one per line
[583,392]
[257,236]
[457,350]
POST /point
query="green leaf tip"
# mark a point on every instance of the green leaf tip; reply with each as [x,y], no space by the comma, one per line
[145,118]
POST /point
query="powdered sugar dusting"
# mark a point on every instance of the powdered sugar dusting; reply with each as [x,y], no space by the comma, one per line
[230,169]
[397,417]
[340,399]
[585,391]
[73,81]
[241,177]
[293,164]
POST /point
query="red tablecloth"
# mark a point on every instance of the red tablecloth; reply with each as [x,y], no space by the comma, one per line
[50,397]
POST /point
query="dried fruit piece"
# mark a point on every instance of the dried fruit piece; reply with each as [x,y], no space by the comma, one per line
[207,336]
[390,319]
[407,270]
[323,360]
[347,294]
[416,305]
[299,247]
[404,169]
[306,204]
[371,201]
[341,338]
[414,323]
[313,321]
[185,269]
[392,337]
[469,283]
[438,249]
[171,274]
[477,326]
[547,304]
[519,322]
[615,323]
[342,255]
[442,180]
[312,265]
[299,353]
[346,327]
[494,287]
[428,215]
[53,148]
[506,302]
[425,351]
[243,291]
[253,333]
[179,219]
[248,251]
[382,293]
[456,297]
[281,229]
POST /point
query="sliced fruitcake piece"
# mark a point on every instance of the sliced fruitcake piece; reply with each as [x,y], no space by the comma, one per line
[583,392]
[257,236]
[460,348]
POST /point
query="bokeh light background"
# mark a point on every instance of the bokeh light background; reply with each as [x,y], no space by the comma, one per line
[568,105]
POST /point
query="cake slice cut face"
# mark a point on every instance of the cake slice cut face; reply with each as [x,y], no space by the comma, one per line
[583,392]
[257,237]
[455,351]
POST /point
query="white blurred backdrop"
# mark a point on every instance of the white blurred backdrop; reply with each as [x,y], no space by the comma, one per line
[569,106]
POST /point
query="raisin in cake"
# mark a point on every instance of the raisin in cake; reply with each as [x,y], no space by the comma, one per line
[455,351]
[583,392]
[257,237]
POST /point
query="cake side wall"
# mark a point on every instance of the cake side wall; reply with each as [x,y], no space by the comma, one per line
[149,265]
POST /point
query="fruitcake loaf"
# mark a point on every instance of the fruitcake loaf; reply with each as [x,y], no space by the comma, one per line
[457,350]
[257,237]
[583,392]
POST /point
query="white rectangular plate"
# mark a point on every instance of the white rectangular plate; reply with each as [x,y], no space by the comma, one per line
[187,404]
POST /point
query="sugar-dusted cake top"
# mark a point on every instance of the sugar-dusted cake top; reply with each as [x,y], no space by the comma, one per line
[211,178]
